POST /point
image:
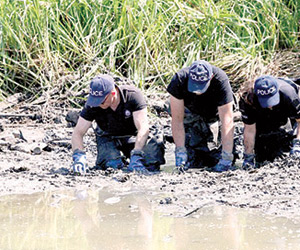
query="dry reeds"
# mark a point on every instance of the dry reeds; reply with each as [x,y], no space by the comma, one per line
[63,44]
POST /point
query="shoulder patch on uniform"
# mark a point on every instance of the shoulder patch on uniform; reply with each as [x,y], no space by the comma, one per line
[127,113]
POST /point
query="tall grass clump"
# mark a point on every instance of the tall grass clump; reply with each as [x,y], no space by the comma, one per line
[63,43]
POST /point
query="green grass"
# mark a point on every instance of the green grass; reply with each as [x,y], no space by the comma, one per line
[64,43]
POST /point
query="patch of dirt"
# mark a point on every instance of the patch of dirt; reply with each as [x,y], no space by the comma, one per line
[35,156]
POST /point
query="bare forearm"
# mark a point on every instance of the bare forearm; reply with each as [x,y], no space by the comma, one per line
[227,136]
[249,145]
[178,134]
[79,131]
[298,130]
[249,141]
[141,139]
[77,142]
[226,118]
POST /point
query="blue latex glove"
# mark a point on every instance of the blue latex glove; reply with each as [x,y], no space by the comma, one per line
[79,162]
[248,161]
[136,161]
[224,163]
[181,158]
[296,148]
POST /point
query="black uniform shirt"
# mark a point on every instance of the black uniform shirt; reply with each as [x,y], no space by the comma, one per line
[271,119]
[218,93]
[118,122]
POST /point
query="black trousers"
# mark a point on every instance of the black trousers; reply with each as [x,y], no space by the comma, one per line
[119,147]
[274,144]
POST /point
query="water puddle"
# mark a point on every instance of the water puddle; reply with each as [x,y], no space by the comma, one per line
[102,220]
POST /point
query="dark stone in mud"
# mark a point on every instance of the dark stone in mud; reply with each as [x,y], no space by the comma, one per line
[36,151]
[122,178]
[57,120]
[166,201]
[64,144]
[72,118]
[18,170]
[48,148]
[37,117]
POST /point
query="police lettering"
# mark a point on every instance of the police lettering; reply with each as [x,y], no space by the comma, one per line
[199,77]
[269,91]
[96,92]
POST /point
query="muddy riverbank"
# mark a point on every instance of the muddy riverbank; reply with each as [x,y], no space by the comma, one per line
[35,156]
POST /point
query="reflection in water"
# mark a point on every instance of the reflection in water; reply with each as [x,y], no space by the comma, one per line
[101,220]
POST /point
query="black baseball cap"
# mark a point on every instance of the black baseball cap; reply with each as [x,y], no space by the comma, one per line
[200,74]
[266,90]
[100,87]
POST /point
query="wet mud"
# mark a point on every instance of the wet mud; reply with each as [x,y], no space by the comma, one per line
[35,156]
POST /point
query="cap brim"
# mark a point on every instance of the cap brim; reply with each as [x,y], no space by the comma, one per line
[266,102]
[199,87]
[94,101]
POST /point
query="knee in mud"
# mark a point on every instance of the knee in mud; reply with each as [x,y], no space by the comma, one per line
[115,163]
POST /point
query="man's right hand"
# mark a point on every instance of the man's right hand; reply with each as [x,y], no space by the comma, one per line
[79,161]
[181,158]
[136,161]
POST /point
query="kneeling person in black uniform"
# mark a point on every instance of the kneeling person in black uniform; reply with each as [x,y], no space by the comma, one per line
[271,116]
[122,129]
[201,96]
